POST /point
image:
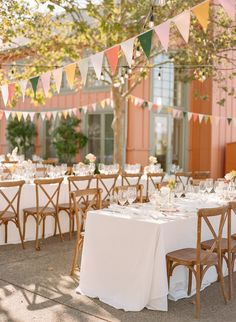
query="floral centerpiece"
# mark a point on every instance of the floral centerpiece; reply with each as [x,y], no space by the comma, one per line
[13,156]
[152,160]
[90,158]
[171,184]
[230,176]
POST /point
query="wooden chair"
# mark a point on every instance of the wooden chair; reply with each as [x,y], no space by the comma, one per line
[107,183]
[51,161]
[183,177]
[197,260]
[10,213]
[73,185]
[130,178]
[201,175]
[50,208]
[41,172]
[153,179]
[92,199]
[139,191]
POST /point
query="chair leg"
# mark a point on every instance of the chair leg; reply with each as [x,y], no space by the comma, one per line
[222,285]
[24,223]
[198,288]
[70,226]
[20,233]
[75,258]
[57,222]
[190,278]
[6,226]
[37,243]
[169,271]
[230,274]
[43,234]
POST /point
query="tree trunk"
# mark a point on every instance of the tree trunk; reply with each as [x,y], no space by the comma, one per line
[118,126]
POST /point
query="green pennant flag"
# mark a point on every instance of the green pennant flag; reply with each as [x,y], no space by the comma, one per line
[229,120]
[146,42]
[184,114]
[206,117]
[34,82]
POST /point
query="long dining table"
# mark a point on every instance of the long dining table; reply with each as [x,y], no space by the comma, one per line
[124,253]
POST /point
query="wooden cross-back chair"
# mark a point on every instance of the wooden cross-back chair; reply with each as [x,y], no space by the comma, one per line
[201,175]
[82,201]
[10,213]
[49,208]
[183,177]
[74,183]
[107,182]
[41,172]
[153,179]
[139,191]
[197,260]
[131,178]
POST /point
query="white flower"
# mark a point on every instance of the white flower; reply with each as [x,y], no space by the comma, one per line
[152,159]
[164,191]
[14,152]
[229,176]
[90,157]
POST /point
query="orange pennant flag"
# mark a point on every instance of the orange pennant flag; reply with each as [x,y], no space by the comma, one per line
[70,74]
[202,13]
[113,57]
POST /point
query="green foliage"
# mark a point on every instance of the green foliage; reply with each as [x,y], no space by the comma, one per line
[67,140]
[21,134]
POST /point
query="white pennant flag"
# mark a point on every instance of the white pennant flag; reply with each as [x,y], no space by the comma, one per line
[94,106]
[54,114]
[97,61]
[189,115]
[149,106]
[43,115]
[75,111]
[5,94]
[31,115]
[7,114]
[83,67]
[182,22]
[175,112]
[85,109]
[25,114]
[127,48]
[200,117]
[23,86]
[57,75]
[45,78]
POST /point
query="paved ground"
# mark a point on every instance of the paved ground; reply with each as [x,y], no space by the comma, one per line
[36,286]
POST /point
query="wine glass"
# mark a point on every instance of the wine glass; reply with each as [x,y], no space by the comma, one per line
[232,191]
[189,190]
[209,185]
[179,189]
[131,194]
[122,196]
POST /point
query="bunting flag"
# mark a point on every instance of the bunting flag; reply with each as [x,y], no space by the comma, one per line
[45,78]
[206,117]
[163,33]
[19,115]
[97,61]
[31,115]
[113,57]
[11,90]
[34,83]
[200,117]
[5,94]
[127,48]
[202,13]
[70,74]
[182,22]
[24,115]
[57,75]
[7,114]
[229,6]
[1,114]
[195,117]
[189,115]
[23,86]
[145,40]
[229,120]
[83,67]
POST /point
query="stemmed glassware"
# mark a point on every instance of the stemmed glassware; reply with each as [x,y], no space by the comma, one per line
[179,189]
[209,185]
[202,187]
[122,196]
[131,195]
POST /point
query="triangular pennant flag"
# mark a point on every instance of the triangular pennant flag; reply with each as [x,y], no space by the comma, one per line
[83,67]
[65,114]
[189,115]
[184,114]
[7,114]
[113,57]
[163,33]
[211,118]
[54,114]
[200,117]
[195,117]
[5,94]
[229,6]
[85,109]
[25,115]
[103,103]
[229,120]
[201,11]
[1,114]
[45,78]
[182,22]
[206,117]
[146,42]
[57,75]
[159,108]
[70,74]
[175,112]
[74,110]
[94,106]
[127,48]
[19,115]
[31,115]
[23,85]
[97,61]
[34,82]
[149,106]
[11,90]
[169,110]
[234,122]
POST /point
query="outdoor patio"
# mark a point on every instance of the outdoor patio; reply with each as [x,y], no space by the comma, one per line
[37,286]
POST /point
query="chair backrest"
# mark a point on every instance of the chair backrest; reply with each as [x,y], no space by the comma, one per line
[183,177]
[131,178]
[153,179]
[201,175]
[79,182]
[107,183]
[139,191]
[51,197]
[40,172]
[10,192]
[205,215]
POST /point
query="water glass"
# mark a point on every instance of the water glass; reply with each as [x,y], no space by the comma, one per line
[122,196]
[209,185]
[131,194]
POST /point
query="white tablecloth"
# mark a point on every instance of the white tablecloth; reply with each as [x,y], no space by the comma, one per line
[123,260]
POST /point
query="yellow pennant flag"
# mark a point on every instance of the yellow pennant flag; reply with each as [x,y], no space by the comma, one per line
[19,115]
[65,113]
[202,13]
[70,74]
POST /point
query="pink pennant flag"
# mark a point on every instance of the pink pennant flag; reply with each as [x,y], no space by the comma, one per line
[182,22]
[189,115]
[1,114]
[229,6]
[195,117]
[97,61]
[49,115]
[83,67]
[5,94]
[45,78]
[113,57]
[11,90]
[57,75]
[31,115]
[127,48]
[23,86]
[163,33]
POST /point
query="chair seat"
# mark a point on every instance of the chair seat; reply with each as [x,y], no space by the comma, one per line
[42,210]
[63,206]
[188,256]
[224,245]
[7,215]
